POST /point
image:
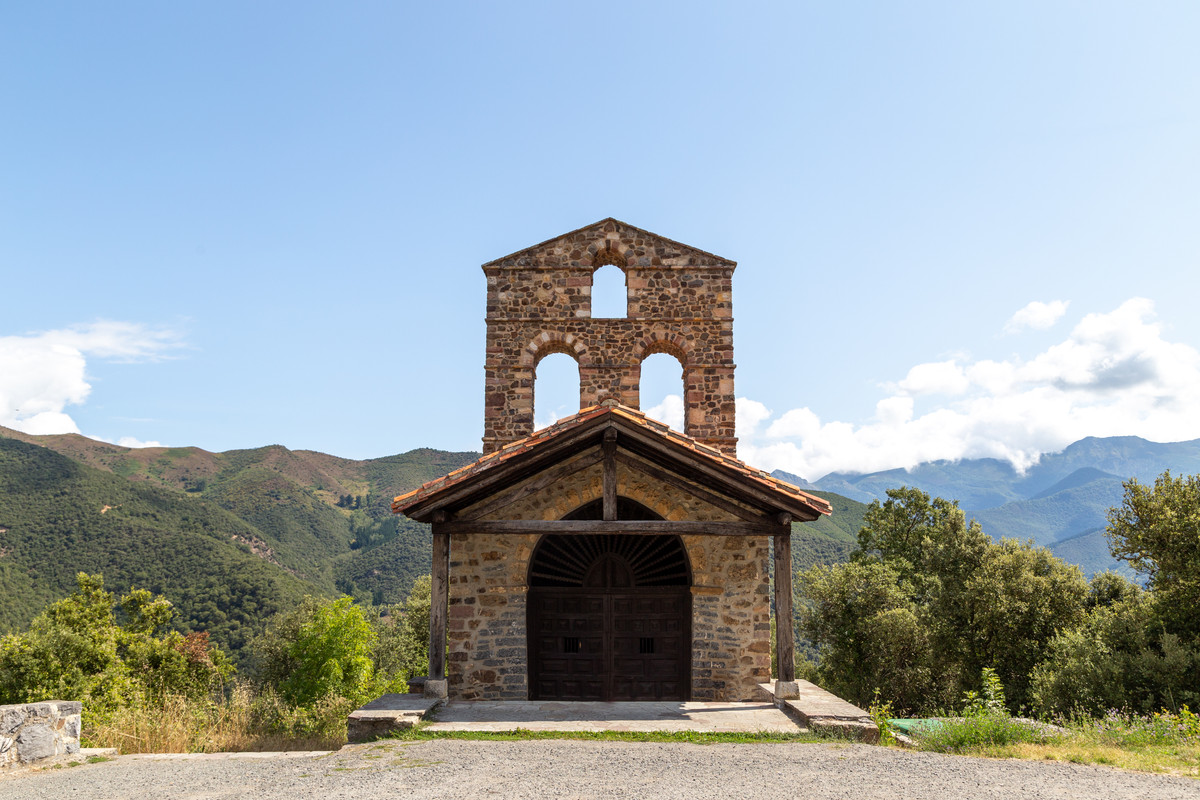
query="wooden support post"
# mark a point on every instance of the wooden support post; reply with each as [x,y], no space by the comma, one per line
[439,583]
[610,475]
[785,642]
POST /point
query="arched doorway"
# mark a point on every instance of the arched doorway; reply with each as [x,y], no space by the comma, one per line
[610,615]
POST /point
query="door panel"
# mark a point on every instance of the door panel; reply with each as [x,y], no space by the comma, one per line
[601,644]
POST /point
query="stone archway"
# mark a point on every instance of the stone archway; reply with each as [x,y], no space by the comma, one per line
[609,615]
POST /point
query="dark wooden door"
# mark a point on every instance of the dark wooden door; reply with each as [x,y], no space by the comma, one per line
[610,618]
[610,644]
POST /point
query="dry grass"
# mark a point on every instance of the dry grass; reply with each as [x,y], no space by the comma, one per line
[1183,760]
[240,722]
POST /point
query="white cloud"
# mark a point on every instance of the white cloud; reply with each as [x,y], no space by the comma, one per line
[670,411]
[1113,375]
[750,414]
[130,441]
[943,377]
[42,374]
[1037,315]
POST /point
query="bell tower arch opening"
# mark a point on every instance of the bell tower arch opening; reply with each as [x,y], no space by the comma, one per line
[610,289]
[662,389]
[555,388]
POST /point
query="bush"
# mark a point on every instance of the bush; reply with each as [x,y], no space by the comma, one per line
[325,649]
[985,723]
[1121,657]
[76,650]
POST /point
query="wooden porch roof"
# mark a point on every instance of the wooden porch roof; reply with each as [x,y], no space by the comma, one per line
[652,440]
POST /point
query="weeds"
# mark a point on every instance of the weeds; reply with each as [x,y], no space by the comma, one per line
[881,715]
[242,720]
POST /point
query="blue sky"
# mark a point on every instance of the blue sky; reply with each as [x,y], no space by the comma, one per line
[230,224]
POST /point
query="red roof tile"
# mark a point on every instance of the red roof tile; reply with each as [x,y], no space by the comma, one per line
[632,415]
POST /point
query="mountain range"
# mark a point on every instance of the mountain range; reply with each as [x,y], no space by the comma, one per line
[1061,502]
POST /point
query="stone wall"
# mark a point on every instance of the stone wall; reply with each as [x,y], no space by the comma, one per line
[33,731]
[731,623]
[485,626]
[679,302]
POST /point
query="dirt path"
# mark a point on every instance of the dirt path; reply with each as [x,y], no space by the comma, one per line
[575,769]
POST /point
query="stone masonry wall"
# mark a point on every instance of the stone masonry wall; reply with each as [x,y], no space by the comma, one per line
[34,731]
[679,302]
[731,622]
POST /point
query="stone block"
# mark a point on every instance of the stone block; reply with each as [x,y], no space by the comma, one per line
[436,688]
[11,718]
[787,690]
[35,742]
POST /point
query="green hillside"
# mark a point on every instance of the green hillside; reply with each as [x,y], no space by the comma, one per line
[828,540]
[59,517]
[229,537]
[1049,519]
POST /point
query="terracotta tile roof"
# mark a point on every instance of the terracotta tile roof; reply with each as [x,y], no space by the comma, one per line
[586,415]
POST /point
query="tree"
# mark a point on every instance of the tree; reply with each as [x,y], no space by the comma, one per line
[928,601]
[76,650]
[869,634]
[1157,530]
[402,649]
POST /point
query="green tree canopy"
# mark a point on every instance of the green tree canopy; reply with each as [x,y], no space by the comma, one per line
[928,601]
[76,650]
[1157,530]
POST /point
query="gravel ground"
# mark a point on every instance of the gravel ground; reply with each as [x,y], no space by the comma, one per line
[574,769]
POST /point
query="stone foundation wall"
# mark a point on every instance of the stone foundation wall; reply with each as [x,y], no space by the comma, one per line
[33,731]
[486,617]
[731,616]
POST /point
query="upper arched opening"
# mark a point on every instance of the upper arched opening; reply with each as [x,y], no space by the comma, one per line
[610,290]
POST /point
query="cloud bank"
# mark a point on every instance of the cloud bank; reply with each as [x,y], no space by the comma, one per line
[1113,375]
[42,374]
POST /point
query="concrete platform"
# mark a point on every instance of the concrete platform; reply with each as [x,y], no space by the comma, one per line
[482,715]
[825,712]
[387,714]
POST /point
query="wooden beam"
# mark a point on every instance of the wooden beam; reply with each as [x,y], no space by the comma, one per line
[785,644]
[439,584]
[672,479]
[610,474]
[581,526]
[538,484]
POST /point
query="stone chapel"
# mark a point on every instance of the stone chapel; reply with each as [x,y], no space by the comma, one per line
[608,556]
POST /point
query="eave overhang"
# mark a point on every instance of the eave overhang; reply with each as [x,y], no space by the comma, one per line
[644,438]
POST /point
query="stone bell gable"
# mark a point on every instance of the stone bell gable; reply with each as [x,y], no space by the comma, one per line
[679,301]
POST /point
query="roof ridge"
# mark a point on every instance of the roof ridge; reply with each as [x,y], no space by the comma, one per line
[598,223]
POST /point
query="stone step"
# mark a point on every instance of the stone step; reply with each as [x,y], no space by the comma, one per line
[822,711]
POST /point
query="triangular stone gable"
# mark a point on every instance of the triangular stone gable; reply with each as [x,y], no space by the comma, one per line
[561,488]
[638,247]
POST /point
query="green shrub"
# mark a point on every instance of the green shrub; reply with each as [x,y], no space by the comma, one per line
[76,650]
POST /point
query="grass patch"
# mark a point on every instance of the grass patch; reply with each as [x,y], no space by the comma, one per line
[1166,742]
[422,733]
